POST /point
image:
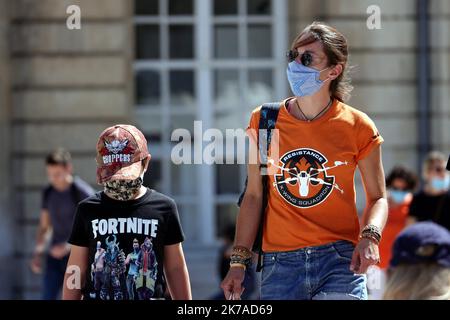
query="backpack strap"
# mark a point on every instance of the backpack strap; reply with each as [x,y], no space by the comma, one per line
[267,122]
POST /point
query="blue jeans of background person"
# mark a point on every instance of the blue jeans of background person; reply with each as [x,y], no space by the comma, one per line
[312,273]
[54,277]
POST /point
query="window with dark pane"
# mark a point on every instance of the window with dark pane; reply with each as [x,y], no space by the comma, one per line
[225,218]
[183,122]
[183,178]
[146,7]
[182,87]
[261,76]
[152,178]
[226,41]
[226,83]
[147,42]
[181,41]
[227,181]
[148,87]
[259,41]
[259,7]
[155,136]
[189,217]
[181,7]
[225,7]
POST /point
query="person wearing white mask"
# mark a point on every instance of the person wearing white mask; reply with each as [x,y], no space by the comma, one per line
[433,201]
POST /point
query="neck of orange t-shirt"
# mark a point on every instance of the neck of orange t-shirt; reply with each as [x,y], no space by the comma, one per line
[309,111]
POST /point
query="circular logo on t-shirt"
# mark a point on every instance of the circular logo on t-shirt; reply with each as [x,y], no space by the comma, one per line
[302,179]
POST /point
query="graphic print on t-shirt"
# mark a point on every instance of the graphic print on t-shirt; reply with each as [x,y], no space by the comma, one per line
[303,179]
[113,270]
[126,242]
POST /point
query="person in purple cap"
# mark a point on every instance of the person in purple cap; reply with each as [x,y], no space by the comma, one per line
[420,264]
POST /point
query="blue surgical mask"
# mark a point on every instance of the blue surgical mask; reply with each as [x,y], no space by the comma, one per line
[304,81]
[440,184]
[398,196]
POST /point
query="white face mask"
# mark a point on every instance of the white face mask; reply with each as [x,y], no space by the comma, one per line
[440,184]
[304,81]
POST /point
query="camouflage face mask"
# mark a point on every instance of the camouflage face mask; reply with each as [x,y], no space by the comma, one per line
[123,190]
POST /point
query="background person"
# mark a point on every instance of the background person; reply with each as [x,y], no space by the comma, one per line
[59,201]
[420,264]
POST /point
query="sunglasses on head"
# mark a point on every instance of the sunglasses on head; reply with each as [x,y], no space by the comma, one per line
[306,58]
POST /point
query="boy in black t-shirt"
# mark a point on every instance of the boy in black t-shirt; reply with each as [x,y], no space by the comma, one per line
[126,240]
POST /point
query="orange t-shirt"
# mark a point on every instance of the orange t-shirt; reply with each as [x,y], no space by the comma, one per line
[395,224]
[311,198]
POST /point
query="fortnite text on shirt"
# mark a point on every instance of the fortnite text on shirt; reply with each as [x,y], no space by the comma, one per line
[125,225]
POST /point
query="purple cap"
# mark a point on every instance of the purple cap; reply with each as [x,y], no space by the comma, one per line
[423,242]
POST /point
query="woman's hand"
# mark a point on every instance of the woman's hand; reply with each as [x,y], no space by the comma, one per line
[232,284]
[366,254]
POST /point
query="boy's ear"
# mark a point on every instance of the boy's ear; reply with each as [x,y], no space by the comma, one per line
[146,162]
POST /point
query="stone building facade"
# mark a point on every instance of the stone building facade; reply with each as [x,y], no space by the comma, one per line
[61,87]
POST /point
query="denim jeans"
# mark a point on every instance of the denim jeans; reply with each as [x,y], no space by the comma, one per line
[312,273]
[53,277]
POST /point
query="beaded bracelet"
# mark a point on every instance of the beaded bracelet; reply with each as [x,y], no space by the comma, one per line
[240,260]
[240,265]
[371,232]
[242,251]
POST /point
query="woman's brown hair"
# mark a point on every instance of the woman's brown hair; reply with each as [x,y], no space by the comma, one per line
[336,50]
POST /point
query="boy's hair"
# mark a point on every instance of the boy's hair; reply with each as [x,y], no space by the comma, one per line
[59,157]
[402,173]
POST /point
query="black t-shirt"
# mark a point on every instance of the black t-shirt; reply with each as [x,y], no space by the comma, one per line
[61,207]
[435,208]
[119,266]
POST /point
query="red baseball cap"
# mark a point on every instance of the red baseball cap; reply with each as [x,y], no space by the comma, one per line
[120,150]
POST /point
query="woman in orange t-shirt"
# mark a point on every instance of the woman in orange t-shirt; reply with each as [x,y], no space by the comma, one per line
[314,247]
[400,183]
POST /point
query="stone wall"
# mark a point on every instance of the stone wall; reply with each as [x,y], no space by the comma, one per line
[66,87]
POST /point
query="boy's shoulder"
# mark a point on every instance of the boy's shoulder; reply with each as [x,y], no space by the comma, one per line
[94,199]
[46,190]
[161,200]
[152,198]
[156,195]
